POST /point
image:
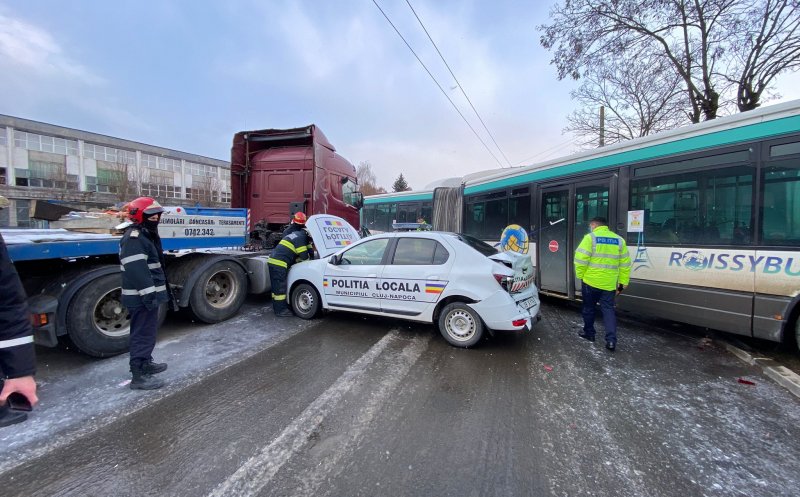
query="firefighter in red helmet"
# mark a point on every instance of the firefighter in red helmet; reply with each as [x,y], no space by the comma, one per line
[295,246]
[144,288]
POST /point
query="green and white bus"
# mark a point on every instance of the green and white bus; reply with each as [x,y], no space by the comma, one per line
[718,204]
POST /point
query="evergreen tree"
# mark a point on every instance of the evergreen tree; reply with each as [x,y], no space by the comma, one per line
[400,184]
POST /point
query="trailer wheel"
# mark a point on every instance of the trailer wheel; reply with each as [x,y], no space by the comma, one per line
[305,301]
[460,325]
[219,292]
[797,331]
[97,322]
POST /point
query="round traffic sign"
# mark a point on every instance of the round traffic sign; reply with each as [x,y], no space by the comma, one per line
[553,246]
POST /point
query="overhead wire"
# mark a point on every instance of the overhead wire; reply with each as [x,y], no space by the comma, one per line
[438,85]
[545,151]
[460,86]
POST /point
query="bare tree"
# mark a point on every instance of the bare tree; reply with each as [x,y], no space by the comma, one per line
[207,190]
[769,45]
[641,96]
[122,178]
[367,181]
[716,47]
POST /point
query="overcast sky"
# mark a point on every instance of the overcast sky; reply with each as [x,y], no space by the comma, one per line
[187,75]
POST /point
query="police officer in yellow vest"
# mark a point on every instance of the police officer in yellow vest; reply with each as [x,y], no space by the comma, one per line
[603,264]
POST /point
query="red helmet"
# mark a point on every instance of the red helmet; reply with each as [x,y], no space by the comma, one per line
[299,218]
[143,207]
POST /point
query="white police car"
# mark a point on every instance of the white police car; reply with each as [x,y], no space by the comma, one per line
[452,280]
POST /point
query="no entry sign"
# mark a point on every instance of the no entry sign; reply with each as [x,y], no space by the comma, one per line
[553,246]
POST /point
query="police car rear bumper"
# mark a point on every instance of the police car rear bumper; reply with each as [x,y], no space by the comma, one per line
[503,312]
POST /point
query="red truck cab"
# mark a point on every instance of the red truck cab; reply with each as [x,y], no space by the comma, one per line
[277,172]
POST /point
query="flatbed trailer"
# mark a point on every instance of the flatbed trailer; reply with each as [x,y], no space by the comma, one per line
[73,279]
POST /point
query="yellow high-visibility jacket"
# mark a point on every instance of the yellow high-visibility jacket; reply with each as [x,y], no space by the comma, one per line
[602,260]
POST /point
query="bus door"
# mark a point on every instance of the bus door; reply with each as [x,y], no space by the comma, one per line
[591,200]
[554,263]
[565,212]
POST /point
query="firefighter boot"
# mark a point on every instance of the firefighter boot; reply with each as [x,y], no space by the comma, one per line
[143,380]
[151,367]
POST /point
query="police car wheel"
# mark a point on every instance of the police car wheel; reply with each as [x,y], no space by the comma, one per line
[460,325]
[306,301]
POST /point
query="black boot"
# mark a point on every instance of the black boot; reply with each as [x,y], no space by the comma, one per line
[151,367]
[9,417]
[143,380]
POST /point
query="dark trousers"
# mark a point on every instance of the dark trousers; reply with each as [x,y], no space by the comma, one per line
[277,277]
[591,296]
[144,324]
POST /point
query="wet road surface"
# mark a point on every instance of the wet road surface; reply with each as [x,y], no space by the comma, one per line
[353,406]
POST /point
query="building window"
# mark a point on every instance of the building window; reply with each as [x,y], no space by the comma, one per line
[161,191]
[5,218]
[108,154]
[161,163]
[3,139]
[167,164]
[3,176]
[43,143]
[201,170]
[23,209]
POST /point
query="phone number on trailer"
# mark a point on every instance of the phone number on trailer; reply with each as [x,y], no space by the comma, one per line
[198,232]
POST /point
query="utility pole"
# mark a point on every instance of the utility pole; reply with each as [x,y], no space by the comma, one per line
[602,125]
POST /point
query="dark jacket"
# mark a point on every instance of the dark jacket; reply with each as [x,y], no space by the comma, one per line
[294,247]
[142,259]
[17,356]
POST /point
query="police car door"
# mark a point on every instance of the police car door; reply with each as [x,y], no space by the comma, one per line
[351,277]
[415,276]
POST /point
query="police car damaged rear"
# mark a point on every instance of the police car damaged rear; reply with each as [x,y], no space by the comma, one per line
[424,276]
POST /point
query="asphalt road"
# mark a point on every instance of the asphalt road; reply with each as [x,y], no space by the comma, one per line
[348,406]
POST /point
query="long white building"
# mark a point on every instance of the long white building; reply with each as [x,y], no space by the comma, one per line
[44,161]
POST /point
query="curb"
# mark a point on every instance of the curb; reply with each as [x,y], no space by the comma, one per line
[782,375]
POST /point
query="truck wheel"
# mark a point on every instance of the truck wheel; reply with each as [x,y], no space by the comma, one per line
[797,331]
[460,325]
[97,322]
[219,292]
[305,301]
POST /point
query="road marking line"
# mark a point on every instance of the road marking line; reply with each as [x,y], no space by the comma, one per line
[254,474]
[398,366]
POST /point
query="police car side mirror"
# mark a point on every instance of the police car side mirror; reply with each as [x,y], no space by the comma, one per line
[334,260]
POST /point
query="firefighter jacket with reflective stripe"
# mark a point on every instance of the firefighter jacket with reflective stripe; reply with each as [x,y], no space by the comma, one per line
[294,247]
[142,264]
[602,260]
[17,357]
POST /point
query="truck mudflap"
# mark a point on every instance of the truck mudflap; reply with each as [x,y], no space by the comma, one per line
[43,309]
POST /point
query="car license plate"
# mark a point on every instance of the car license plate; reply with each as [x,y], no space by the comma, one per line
[527,303]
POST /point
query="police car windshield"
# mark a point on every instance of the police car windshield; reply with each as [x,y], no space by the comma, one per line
[479,245]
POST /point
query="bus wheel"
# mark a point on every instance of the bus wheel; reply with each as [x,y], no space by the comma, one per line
[219,292]
[460,325]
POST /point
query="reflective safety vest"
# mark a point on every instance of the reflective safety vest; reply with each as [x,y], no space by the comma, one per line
[602,260]
[142,265]
[293,248]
